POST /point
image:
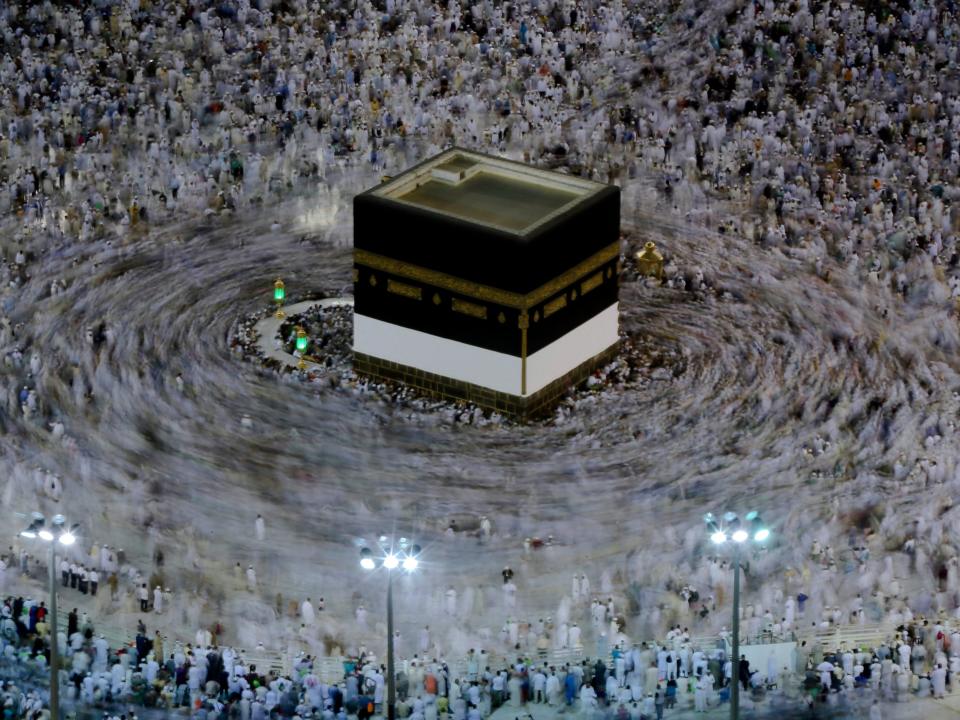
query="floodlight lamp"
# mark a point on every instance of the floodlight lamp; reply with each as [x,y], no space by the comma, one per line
[391,561]
[752,516]
[68,538]
[761,534]
[711,522]
[58,520]
[410,563]
[415,550]
[730,517]
[35,526]
[45,535]
[740,536]
[719,537]
[366,559]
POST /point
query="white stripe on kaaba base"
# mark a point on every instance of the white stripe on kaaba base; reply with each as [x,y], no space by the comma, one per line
[436,354]
[576,347]
[469,363]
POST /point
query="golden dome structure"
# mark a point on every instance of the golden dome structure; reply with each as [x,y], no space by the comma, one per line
[650,261]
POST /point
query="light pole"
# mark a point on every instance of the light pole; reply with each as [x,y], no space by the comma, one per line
[393,556]
[732,529]
[59,532]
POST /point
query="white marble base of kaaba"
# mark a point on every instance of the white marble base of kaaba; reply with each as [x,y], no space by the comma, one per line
[495,370]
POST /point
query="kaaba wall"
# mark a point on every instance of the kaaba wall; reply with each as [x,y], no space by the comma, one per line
[471,304]
[482,254]
[519,375]
[414,298]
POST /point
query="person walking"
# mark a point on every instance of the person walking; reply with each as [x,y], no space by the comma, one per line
[744,672]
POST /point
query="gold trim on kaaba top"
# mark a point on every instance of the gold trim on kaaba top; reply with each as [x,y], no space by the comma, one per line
[437,279]
[468,308]
[399,288]
[478,291]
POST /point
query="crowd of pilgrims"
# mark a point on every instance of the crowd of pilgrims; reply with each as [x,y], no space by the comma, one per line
[626,680]
[644,681]
[826,129]
[835,122]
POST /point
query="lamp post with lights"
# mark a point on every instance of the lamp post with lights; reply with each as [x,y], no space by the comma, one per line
[302,342]
[400,554]
[65,536]
[731,528]
[279,294]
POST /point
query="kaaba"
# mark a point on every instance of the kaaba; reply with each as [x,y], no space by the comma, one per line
[487,280]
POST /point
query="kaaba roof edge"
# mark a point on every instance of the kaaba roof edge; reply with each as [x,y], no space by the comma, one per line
[488,191]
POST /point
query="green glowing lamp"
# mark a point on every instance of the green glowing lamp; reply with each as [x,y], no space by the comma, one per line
[301,347]
[279,293]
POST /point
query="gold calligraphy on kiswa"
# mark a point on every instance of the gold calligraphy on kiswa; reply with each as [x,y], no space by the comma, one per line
[408,291]
[469,308]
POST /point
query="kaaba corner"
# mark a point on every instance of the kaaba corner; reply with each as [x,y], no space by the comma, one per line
[486,280]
